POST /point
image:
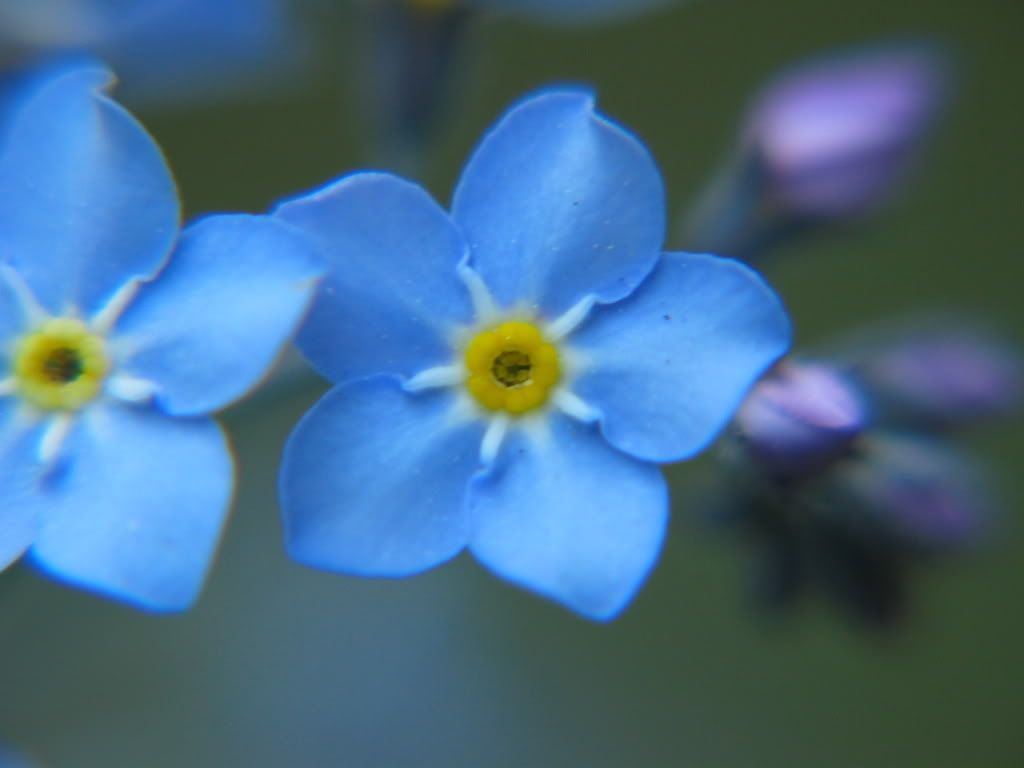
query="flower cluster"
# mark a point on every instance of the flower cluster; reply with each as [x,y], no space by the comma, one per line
[508,374]
[843,473]
[511,373]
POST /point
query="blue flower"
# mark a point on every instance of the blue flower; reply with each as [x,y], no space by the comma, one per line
[511,373]
[118,338]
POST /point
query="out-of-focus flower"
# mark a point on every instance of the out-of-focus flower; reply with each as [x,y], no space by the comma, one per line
[118,338]
[917,490]
[829,494]
[942,377]
[160,48]
[829,140]
[511,374]
[11,759]
[834,137]
[800,417]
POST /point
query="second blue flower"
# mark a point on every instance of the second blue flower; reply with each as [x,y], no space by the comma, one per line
[511,373]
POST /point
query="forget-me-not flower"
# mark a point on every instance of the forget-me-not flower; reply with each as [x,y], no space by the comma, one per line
[511,373]
[117,338]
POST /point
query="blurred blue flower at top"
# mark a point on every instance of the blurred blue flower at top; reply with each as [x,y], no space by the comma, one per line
[161,49]
[117,338]
[510,374]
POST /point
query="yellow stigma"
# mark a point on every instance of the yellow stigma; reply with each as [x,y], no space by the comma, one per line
[511,367]
[60,365]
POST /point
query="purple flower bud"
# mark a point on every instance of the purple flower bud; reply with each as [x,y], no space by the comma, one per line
[800,417]
[834,136]
[919,490]
[945,378]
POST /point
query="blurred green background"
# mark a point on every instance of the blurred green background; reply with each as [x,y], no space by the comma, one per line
[278,665]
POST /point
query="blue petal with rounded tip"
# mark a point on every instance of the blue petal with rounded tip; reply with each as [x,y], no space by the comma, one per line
[559,203]
[391,295]
[373,480]
[568,516]
[215,318]
[19,469]
[668,367]
[86,200]
[136,506]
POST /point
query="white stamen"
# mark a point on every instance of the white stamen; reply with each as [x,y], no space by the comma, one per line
[493,438]
[130,389]
[32,310]
[570,319]
[8,386]
[53,438]
[571,405]
[483,303]
[104,320]
[432,378]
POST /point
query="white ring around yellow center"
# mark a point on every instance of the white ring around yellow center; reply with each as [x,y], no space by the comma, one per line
[511,367]
[60,365]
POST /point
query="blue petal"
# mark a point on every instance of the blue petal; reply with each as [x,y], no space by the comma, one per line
[86,200]
[212,322]
[19,470]
[670,365]
[391,296]
[558,203]
[570,517]
[136,509]
[373,480]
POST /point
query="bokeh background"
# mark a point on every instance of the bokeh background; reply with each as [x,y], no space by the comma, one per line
[278,665]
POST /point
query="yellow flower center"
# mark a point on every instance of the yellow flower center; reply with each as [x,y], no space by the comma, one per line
[511,367]
[60,365]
